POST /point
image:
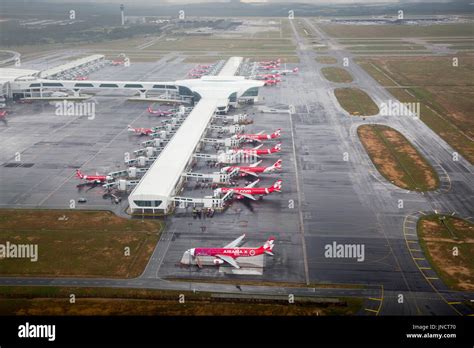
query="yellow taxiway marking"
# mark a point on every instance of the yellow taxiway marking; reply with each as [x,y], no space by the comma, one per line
[453,303]
[371,310]
[432,278]
[375,299]
[425,267]
[419,258]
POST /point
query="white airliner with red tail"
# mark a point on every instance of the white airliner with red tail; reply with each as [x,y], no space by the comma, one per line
[285,71]
[229,254]
[253,169]
[259,136]
[140,131]
[95,179]
[257,150]
[158,112]
[249,191]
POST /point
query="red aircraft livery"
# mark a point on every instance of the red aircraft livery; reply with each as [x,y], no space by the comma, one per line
[253,169]
[140,131]
[96,179]
[257,151]
[271,62]
[271,82]
[249,191]
[259,136]
[230,253]
[158,112]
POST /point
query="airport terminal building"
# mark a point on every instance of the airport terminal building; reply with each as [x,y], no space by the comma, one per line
[155,192]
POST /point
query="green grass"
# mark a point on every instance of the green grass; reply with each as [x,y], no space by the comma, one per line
[389,53]
[108,301]
[451,41]
[386,48]
[326,60]
[257,57]
[356,102]
[87,244]
[372,42]
[397,159]
[338,75]
[222,45]
[397,31]
[438,235]
[442,90]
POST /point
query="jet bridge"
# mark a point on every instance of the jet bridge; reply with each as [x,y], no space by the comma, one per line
[148,151]
[227,142]
[228,158]
[216,177]
[236,119]
[206,202]
[141,161]
[156,142]
[121,185]
[233,129]
[131,172]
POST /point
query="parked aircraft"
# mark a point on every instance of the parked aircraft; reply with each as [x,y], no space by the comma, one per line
[230,253]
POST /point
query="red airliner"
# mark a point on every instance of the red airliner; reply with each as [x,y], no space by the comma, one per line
[249,191]
[268,76]
[271,62]
[253,169]
[273,82]
[158,112]
[229,253]
[140,131]
[259,136]
[96,179]
[257,151]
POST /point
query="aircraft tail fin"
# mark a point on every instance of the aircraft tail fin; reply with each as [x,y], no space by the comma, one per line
[79,174]
[277,164]
[268,246]
[277,186]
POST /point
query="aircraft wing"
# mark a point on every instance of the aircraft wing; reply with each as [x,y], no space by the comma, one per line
[257,147]
[249,173]
[235,243]
[229,260]
[261,132]
[252,184]
[256,164]
[249,196]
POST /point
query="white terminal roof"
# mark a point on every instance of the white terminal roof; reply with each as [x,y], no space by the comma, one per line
[162,177]
[231,67]
[10,74]
[71,65]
